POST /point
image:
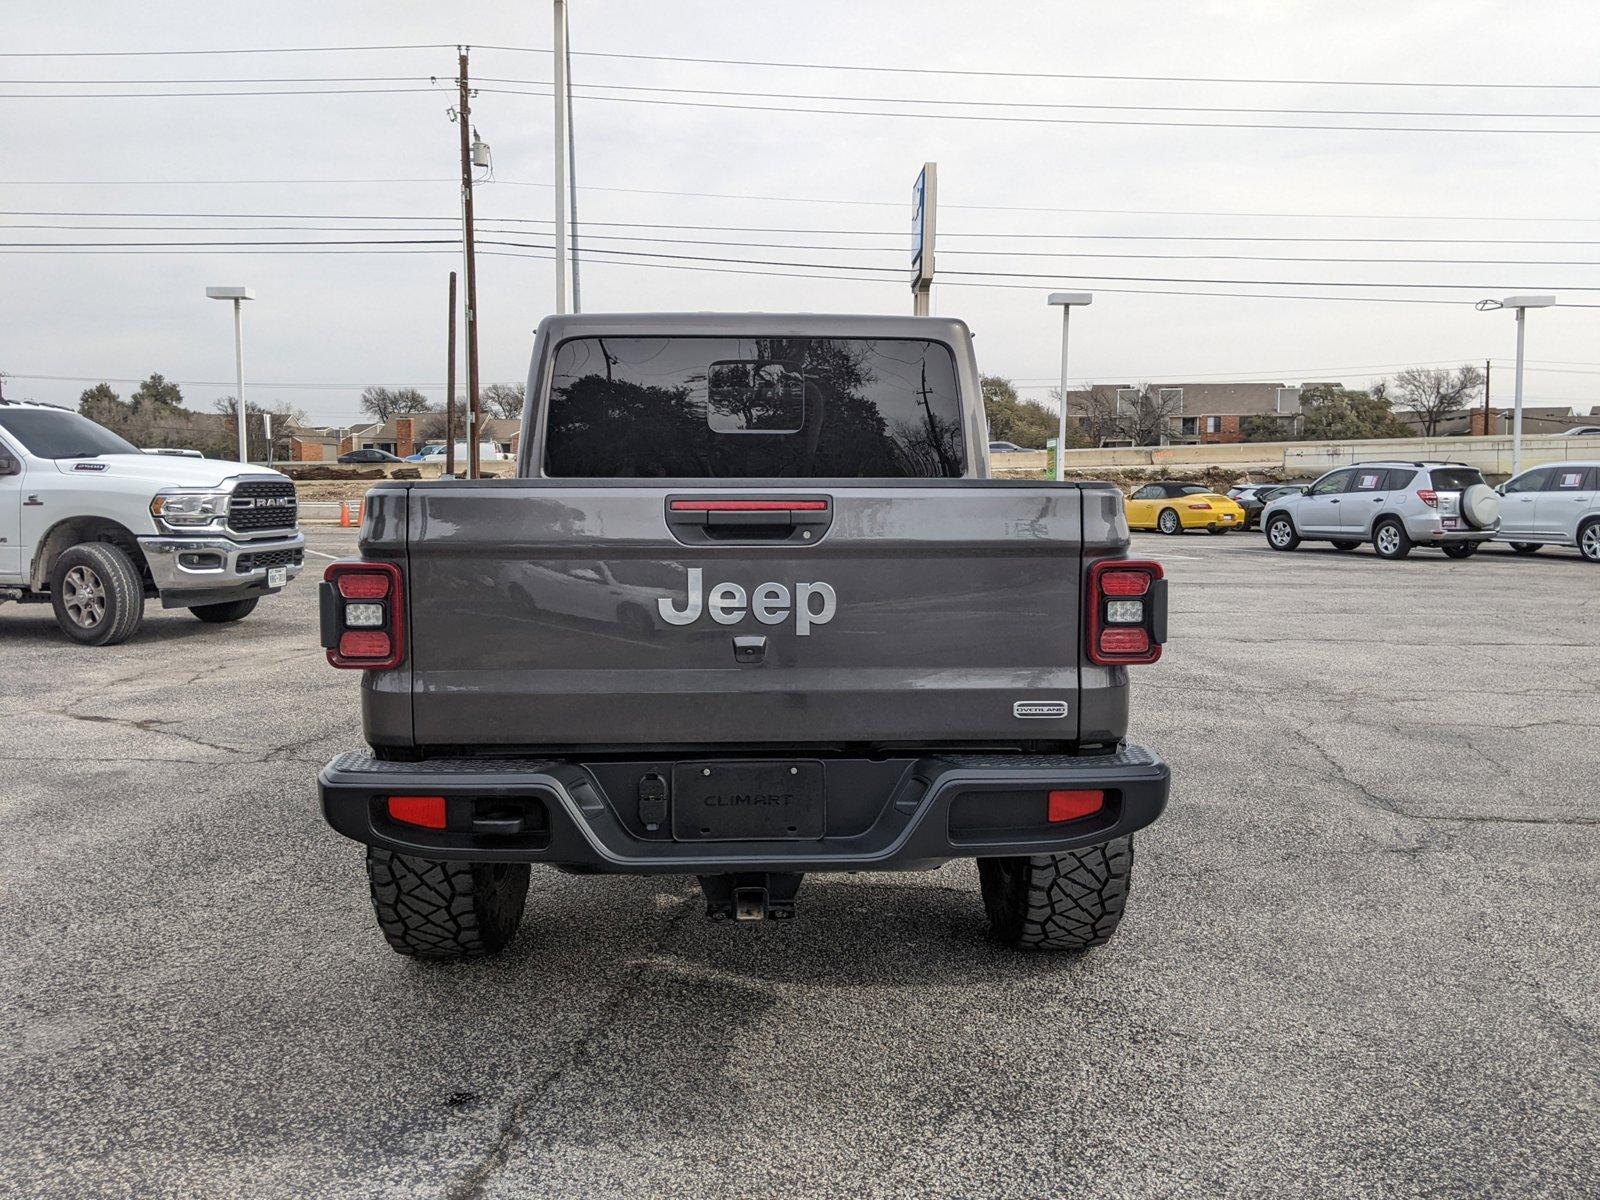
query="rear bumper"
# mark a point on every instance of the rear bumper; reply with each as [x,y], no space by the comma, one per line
[1430,528]
[930,810]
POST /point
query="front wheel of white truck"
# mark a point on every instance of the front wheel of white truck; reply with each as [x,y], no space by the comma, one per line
[446,910]
[1070,901]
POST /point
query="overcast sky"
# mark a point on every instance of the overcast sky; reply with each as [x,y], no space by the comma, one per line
[325,325]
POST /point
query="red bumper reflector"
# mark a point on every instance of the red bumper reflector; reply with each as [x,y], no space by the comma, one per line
[1069,806]
[749,505]
[426,811]
[354,643]
[1123,641]
[357,585]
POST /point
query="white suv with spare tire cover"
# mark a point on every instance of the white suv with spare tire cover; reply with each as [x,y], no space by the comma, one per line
[94,526]
[1396,506]
[1554,505]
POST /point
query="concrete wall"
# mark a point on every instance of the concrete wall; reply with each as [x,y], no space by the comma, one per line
[1492,455]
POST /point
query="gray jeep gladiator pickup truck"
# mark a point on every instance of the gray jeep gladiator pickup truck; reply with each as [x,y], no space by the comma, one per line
[751,608]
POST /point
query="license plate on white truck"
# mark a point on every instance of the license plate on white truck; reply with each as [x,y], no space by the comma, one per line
[277,577]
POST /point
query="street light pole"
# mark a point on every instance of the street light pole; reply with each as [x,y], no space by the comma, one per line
[238,295]
[1066,300]
[1522,304]
[560,57]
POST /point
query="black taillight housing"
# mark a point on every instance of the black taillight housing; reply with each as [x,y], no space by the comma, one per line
[363,615]
[1125,611]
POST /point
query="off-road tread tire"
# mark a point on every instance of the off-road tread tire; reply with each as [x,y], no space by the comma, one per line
[228,610]
[1070,901]
[124,593]
[445,910]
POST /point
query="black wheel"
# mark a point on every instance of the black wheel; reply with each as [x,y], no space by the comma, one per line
[1460,549]
[1168,521]
[1390,539]
[1525,547]
[1345,545]
[1218,529]
[1589,541]
[230,610]
[1068,901]
[445,910]
[97,594]
[1281,533]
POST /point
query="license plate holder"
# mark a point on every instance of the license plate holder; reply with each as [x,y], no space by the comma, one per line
[277,577]
[761,800]
[1450,523]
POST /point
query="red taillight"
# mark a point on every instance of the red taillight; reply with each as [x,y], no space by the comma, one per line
[363,615]
[425,811]
[1428,496]
[1123,641]
[748,506]
[1069,806]
[1125,612]
[364,643]
[1124,583]
[363,585]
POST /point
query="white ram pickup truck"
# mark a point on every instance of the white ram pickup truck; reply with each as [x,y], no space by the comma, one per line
[96,527]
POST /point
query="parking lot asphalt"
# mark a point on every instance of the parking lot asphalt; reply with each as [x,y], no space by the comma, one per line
[1359,960]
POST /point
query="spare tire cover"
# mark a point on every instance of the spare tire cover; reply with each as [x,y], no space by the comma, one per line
[1480,504]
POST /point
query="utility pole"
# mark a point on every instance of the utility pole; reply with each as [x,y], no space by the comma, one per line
[1486,365]
[450,388]
[464,118]
[572,179]
[560,139]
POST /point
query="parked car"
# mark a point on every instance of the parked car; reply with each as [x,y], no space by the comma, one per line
[94,527]
[708,641]
[1555,505]
[1394,505]
[487,452]
[423,452]
[1581,431]
[369,455]
[1253,497]
[1004,448]
[1175,507]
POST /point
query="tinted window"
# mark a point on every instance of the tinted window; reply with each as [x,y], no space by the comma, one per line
[56,433]
[1400,478]
[1570,479]
[1455,479]
[753,408]
[1329,484]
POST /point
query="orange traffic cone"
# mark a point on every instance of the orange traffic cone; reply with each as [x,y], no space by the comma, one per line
[344,514]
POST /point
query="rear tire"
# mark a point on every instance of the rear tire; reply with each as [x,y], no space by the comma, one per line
[1281,533]
[1390,540]
[1589,541]
[1526,547]
[1218,529]
[1068,901]
[1460,549]
[446,910]
[1168,522]
[229,610]
[97,594]
[1345,545]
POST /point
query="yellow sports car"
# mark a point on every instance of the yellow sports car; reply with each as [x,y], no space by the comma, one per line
[1174,507]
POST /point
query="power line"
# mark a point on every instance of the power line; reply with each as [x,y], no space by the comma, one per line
[1011,120]
[235,50]
[988,74]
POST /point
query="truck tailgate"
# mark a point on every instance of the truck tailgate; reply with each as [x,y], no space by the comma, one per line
[560,613]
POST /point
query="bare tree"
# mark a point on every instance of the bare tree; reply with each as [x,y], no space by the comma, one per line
[383,403]
[1091,414]
[1433,393]
[1145,413]
[502,400]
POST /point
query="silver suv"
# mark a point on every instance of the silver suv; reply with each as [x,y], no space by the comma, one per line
[1555,505]
[1393,505]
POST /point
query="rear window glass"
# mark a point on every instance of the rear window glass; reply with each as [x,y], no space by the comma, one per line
[753,408]
[1455,479]
[1399,478]
[1193,490]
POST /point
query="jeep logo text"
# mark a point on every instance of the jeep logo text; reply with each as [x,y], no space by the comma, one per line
[770,604]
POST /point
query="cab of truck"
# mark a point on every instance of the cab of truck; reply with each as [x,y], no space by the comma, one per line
[751,608]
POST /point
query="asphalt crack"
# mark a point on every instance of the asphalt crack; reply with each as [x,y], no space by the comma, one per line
[149,725]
